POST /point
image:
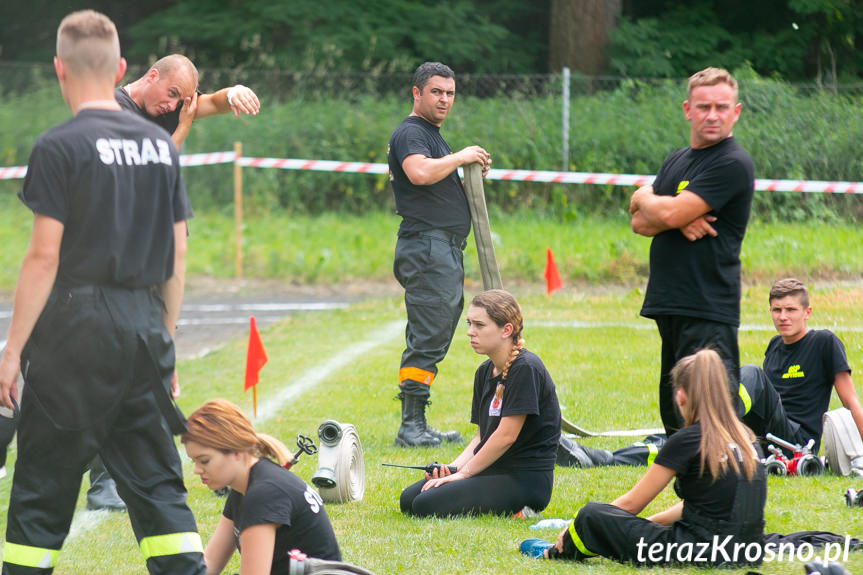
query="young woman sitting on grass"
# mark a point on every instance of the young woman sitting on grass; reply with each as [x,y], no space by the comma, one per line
[719,478]
[509,464]
[269,511]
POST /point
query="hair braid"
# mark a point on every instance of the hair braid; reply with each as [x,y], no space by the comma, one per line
[512,355]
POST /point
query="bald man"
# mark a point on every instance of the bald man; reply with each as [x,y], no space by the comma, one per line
[168,95]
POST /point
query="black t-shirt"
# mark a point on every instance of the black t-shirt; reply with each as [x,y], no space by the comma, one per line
[442,205]
[708,498]
[113,180]
[275,495]
[702,278]
[803,374]
[168,121]
[528,390]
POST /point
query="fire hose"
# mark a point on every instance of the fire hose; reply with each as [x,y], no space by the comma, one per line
[340,476]
[481,228]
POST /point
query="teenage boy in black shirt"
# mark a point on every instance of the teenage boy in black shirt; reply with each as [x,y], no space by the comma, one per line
[430,198]
[92,328]
[791,393]
[696,211]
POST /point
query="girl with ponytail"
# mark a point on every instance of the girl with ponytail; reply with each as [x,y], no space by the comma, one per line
[718,476]
[269,510]
[509,463]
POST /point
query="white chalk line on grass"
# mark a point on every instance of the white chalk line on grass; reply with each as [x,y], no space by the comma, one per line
[86,521]
[317,374]
[285,306]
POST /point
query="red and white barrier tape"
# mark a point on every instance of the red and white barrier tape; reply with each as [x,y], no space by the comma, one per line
[818,186]
[314,165]
[13,173]
[208,159]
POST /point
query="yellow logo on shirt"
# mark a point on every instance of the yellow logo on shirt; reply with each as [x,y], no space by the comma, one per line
[793,372]
[682,185]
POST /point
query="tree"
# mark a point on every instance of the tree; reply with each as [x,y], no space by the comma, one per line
[327,35]
[579,34]
[796,39]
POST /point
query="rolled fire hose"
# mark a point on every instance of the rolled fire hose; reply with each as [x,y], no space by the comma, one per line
[340,476]
[481,229]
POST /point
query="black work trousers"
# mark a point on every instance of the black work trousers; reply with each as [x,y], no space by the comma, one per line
[639,452]
[429,265]
[92,367]
[606,530]
[764,411]
[682,336]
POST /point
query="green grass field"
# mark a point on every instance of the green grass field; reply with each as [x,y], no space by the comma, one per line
[604,360]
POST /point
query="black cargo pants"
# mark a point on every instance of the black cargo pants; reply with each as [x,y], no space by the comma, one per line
[430,267]
[92,366]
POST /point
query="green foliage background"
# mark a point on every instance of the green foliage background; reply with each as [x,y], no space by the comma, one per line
[791,132]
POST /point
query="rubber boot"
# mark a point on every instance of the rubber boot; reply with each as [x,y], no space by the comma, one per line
[413,431]
[572,454]
[103,491]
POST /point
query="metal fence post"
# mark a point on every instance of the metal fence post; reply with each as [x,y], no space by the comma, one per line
[565,119]
[238,209]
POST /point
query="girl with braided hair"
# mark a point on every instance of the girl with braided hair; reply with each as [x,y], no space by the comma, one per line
[509,464]
[269,511]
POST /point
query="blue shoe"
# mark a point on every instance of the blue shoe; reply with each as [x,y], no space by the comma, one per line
[534,547]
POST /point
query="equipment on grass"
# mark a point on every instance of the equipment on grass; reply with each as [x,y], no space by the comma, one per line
[569,427]
[819,567]
[854,498]
[803,462]
[300,564]
[843,446]
[306,445]
[430,468]
[340,476]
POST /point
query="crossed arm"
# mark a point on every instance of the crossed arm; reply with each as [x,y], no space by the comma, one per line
[653,214]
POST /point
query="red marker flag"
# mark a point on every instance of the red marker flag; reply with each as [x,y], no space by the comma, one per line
[256,357]
[552,278]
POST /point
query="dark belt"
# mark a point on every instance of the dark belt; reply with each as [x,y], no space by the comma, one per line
[452,239]
[91,289]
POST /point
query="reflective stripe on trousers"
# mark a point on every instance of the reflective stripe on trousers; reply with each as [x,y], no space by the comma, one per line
[171,544]
[27,556]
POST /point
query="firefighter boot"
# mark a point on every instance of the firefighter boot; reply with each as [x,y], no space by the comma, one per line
[572,454]
[103,491]
[414,431]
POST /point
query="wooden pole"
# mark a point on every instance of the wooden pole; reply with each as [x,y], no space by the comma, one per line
[238,210]
[481,229]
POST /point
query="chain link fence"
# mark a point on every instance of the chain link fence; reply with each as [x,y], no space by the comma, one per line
[615,125]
